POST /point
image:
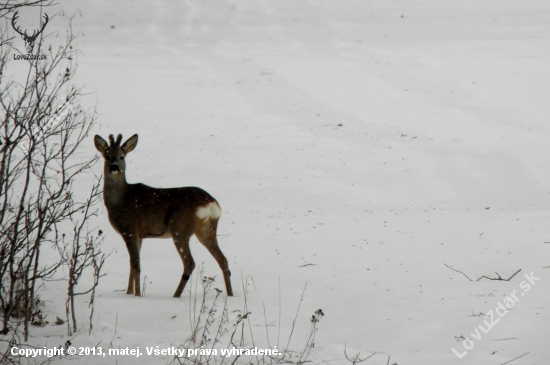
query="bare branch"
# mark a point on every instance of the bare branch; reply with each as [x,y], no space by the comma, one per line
[499,277]
[356,359]
[458,272]
[507,362]
[9,6]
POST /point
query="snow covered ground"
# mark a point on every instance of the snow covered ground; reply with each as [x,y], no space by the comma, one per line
[356,146]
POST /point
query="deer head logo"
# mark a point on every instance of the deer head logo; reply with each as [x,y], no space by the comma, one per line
[29,39]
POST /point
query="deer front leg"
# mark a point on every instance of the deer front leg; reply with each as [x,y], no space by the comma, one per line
[130,289]
[133,244]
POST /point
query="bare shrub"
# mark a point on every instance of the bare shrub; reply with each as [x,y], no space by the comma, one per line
[42,128]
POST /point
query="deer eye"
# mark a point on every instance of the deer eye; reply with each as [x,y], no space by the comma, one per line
[107,157]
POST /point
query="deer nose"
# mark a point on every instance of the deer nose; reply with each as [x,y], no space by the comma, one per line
[114,169]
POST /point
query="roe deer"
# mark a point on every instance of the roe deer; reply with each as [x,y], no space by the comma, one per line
[138,211]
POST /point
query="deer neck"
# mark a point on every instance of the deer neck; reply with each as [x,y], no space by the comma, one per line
[115,188]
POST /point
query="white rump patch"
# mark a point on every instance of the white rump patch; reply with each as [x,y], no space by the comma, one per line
[211,210]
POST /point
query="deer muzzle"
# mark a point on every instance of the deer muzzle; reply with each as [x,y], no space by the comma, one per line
[114,169]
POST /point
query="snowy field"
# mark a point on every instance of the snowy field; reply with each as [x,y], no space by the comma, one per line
[354,146]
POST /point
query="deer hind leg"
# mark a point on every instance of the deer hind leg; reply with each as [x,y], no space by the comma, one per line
[181,240]
[133,244]
[206,234]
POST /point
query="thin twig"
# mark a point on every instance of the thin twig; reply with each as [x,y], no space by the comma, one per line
[499,278]
[114,334]
[294,322]
[507,362]
[458,271]
[266,328]
[279,329]
[355,359]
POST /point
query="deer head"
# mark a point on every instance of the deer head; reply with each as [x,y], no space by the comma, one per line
[114,153]
[29,39]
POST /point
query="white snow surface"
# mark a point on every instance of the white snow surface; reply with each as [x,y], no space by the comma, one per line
[356,146]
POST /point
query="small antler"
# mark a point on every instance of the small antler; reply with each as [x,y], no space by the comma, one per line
[112,140]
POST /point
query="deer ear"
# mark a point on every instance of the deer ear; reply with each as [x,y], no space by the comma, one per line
[100,144]
[130,144]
